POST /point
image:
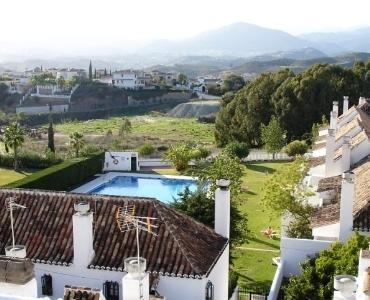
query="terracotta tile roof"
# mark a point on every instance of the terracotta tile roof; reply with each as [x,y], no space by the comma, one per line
[316,161]
[329,214]
[318,146]
[325,215]
[79,293]
[183,247]
[330,183]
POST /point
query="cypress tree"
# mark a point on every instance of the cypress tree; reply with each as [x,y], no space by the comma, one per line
[90,71]
[51,144]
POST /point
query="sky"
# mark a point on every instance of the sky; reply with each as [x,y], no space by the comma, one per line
[46,24]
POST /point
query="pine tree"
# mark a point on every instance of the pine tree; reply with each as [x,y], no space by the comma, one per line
[90,71]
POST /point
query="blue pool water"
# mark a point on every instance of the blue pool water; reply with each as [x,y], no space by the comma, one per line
[164,190]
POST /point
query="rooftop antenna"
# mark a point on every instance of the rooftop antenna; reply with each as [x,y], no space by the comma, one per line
[10,206]
[127,221]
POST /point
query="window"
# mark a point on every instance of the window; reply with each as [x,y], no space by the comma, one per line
[209,291]
[47,285]
[111,290]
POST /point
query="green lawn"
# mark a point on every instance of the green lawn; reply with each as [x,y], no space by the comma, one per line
[173,129]
[8,176]
[254,265]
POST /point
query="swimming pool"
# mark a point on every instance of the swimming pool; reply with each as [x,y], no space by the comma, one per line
[164,189]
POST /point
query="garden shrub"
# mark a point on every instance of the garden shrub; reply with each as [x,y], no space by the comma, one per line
[238,149]
[146,149]
[29,160]
[296,148]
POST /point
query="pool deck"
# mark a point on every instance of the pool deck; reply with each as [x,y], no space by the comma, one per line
[103,178]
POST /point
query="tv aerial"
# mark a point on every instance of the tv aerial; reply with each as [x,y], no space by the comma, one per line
[11,205]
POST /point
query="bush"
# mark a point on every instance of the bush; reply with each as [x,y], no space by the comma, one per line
[64,176]
[179,156]
[296,148]
[30,160]
[200,152]
[208,119]
[146,149]
[162,148]
[237,149]
[233,281]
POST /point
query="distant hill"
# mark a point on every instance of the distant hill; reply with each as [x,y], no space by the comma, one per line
[195,109]
[343,41]
[238,39]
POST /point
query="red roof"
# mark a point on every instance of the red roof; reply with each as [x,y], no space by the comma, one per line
[183,247]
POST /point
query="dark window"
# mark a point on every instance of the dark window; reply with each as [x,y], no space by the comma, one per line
[47,285]
[209,291]
[111,290]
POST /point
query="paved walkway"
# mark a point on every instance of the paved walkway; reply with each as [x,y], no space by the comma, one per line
[257,249]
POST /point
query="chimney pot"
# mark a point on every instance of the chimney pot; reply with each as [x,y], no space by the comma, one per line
[331,132]
[348,176]
[82,208]
[223,183]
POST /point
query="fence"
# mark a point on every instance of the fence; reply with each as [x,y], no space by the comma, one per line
[261,155]
[245,294]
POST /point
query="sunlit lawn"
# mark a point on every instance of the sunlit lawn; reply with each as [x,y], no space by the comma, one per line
[9,175]
[255,266]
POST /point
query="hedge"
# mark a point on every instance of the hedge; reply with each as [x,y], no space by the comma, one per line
[64,176]
[29,160]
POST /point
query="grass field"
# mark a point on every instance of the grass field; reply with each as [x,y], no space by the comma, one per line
[155,127]
[8,176]
[253,260]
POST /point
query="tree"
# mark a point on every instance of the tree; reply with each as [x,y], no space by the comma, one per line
[90,71]
[61,82]
[317,276]
[125,128]
[232,83]
[201,206]
[14,139]
[296,148]
[77,142]
[221,166]
[284,193]
[273,136]
[182,79]
[51,144]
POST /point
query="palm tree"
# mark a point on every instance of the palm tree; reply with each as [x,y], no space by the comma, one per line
[14,139]
[77,142]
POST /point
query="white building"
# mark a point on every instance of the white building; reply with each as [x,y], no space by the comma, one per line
[73,239]
[129,79]
[70,73]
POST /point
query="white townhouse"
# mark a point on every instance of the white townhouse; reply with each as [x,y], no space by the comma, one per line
[129,79]
[70,243]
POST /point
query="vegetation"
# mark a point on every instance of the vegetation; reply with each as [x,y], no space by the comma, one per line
[316,280]
[51,144]
[273,136]
[77,142]
[30,160]
[180,155]
[125,127]
[146,149]
[284,192]
[64,176]
[7,175]
[237,149]
[296,100]
[13,139]
[295,148]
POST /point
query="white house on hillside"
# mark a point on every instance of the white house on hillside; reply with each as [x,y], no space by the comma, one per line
[129,79]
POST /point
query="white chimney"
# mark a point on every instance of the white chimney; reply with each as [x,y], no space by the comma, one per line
[333,120]
[336,107]
[361,101]
[222,208]
[346,154]
[83,239]
[345,103]
[346,206]
[135,284]
[329,156]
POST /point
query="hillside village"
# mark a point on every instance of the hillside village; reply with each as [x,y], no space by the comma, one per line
[152,151]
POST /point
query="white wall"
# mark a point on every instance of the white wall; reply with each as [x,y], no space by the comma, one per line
[294,251]
[327,232]
[123,160]
[276,283]
[153,162]
[185,288]
[42,109]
